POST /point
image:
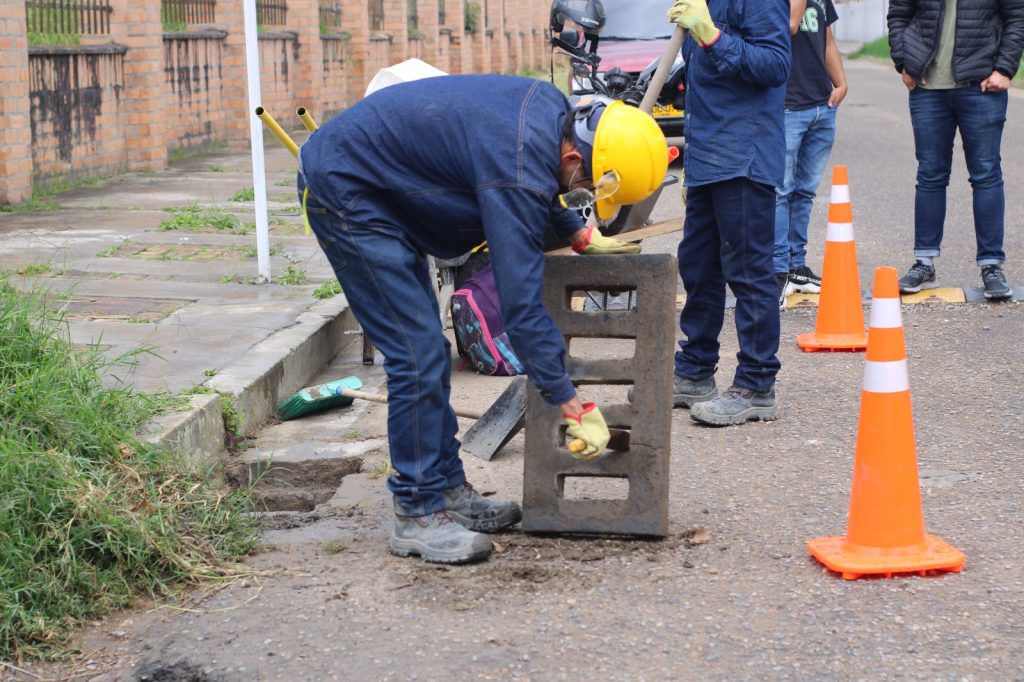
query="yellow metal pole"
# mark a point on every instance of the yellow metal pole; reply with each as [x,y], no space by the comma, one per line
[307,119]
[287,141]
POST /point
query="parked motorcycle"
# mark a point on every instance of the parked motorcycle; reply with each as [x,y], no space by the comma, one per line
[585,78]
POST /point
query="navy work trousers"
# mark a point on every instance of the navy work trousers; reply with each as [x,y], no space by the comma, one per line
[728,238]
[387,283]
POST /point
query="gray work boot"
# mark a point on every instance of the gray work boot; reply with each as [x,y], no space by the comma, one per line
[476,512]
[437,538]
[686,392]
[736,406]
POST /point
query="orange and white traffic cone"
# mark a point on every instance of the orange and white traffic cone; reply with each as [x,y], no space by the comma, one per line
[840,323]
[885,527]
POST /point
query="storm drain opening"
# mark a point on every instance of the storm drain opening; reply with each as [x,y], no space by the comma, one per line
[292,486]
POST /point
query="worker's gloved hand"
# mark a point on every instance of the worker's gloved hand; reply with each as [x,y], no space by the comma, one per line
[591,242]
[693,15]
[588,427]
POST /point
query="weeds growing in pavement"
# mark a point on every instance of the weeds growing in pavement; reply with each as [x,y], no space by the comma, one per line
[195,218]
[328,289]
[244,194]
[91,515]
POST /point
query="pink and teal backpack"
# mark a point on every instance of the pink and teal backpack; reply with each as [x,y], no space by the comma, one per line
[479,330]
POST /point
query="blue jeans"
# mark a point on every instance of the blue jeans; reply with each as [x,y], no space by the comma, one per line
[387,283]
[727,238]
[809,137]
[936,115]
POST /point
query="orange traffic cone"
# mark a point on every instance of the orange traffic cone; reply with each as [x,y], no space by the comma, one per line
[840,324]
[885,528]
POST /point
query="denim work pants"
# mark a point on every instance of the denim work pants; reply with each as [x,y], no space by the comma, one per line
[936,115]
[727,238]
[809,137]
[387,283]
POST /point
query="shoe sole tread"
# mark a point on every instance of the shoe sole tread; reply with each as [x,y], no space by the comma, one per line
[406,548]
[689,401]
[495,525]
[764,414]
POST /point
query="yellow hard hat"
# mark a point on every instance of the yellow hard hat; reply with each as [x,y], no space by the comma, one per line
[627,141]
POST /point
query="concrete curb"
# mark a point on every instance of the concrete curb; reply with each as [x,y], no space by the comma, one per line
[274,368]
[197,433]
[283,362]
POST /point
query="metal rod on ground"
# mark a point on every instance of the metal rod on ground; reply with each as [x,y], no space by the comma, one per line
[383,399]
[259,179]
[661,73]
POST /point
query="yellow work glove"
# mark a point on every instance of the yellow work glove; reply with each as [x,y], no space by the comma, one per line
[588,427]
[693,15]
[591,242]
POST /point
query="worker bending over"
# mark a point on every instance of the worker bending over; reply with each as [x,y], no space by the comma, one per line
[434,167]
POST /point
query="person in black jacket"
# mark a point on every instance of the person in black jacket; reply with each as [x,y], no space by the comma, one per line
[956,58]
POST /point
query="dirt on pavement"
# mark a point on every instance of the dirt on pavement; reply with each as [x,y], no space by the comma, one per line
[732,593]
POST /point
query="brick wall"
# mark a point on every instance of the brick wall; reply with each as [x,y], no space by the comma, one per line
[15,126]
[128,99]
[194,88]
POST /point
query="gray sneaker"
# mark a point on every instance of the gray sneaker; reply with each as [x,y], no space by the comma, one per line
[474,511]
[996,286]
[917,277]
[686,392]
[736,406]
[438,538]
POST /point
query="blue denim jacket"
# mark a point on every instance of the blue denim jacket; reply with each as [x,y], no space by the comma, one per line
[735,94]
[452,161]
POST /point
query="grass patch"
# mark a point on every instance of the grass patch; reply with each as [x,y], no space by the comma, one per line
[292,276]
[38,202]
[333,547]
[244,194]
[328,289]
[33,269]
[194,218]
[876,49]
[90,515]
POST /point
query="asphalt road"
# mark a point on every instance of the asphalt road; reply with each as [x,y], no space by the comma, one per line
[748,602]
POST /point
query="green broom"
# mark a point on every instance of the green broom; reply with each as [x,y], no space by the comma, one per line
[319,398]
[338,393]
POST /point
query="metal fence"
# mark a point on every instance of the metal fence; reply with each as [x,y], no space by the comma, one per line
[65,17]
[272,12]
[330,15]
[188,11]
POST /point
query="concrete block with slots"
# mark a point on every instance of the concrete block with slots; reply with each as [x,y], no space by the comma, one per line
[641,430]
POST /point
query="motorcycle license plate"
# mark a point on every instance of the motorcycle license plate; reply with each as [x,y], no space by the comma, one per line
[659,111]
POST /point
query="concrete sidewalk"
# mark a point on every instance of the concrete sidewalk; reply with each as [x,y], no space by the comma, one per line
[164,262]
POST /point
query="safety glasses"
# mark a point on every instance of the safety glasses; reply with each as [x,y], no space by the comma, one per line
[583,198]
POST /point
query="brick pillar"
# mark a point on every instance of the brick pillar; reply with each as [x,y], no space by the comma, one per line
[356,21]
[231,18]
[396,25]
[304,19]
[137,25]
[429,27]
[481,57]
[15,126]
[500,57]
